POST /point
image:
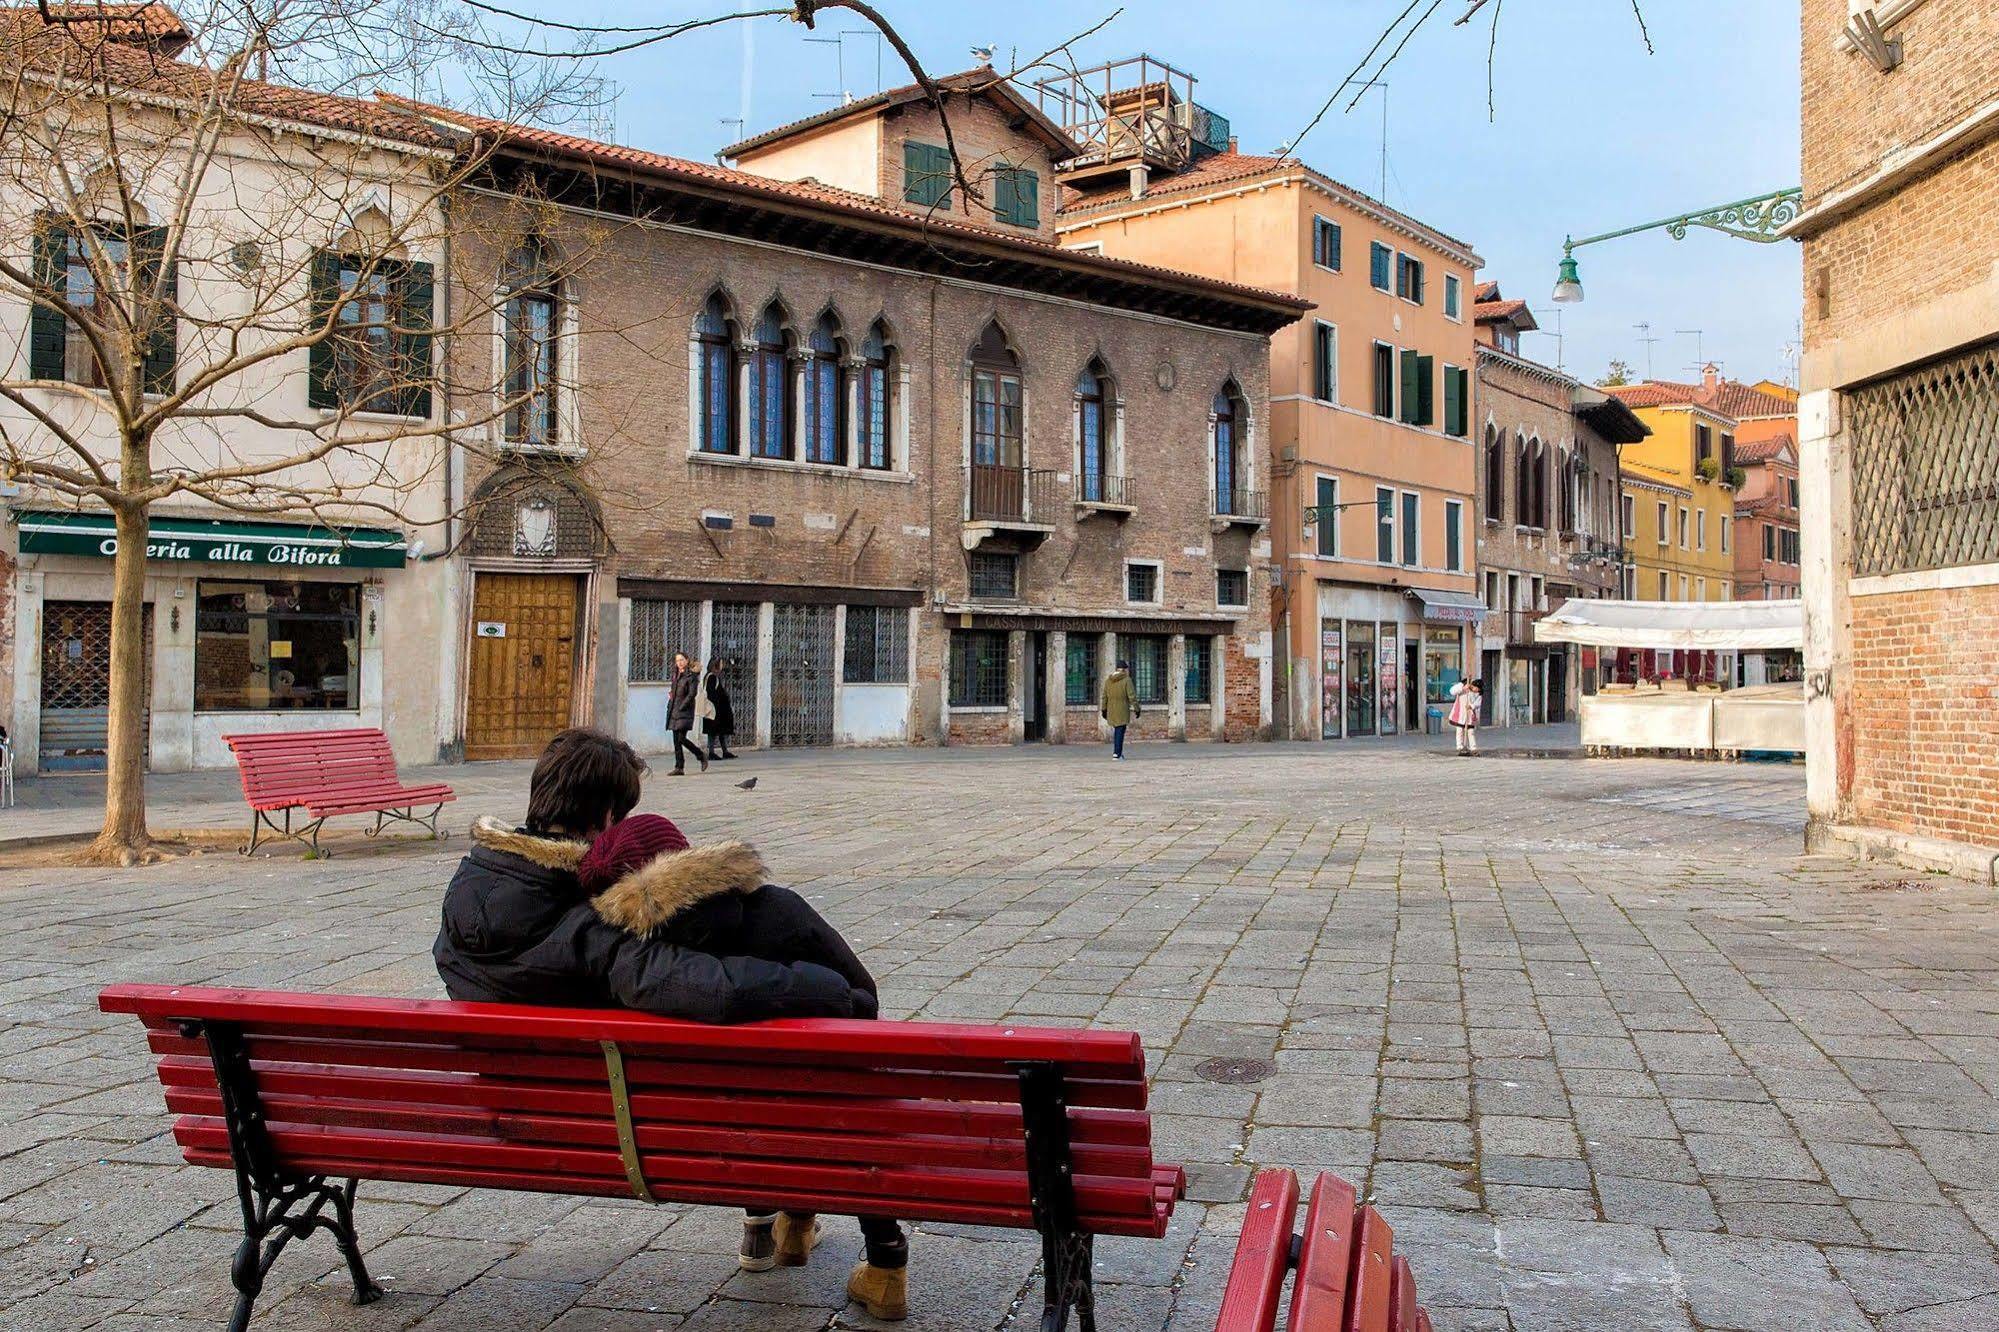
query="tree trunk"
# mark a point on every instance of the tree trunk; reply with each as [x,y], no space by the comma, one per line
[124,837]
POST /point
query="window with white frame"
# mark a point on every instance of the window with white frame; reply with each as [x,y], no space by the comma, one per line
[1412,541]
[1141,582]
[1326,243]
[1384,525]
[1325,361]
[530,332]
[1454,535]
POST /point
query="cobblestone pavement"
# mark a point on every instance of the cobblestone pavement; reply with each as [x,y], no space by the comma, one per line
[1602,1045]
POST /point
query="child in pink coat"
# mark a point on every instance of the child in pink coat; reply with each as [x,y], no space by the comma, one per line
[1467,698]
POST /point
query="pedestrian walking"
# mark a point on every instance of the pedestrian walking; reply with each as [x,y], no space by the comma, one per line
[719,722]
[1119,706]
[1467,701]
[682,693]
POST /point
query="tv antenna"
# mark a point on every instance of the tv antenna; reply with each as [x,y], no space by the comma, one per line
[1645,336]
[838,41]
[1382,193]
[1700,348]
[1556,335]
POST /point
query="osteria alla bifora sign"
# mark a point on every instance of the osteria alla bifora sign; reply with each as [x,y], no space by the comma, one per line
[283,545]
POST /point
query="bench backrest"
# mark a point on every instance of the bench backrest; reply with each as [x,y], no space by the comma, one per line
[913,1120]
[1348,1277]
[288,767]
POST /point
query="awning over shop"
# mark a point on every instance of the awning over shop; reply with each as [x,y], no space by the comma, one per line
[1700,625]
[285,545]
[1450,607]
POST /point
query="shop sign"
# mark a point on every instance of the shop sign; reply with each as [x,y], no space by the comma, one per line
[280,545]
[1331,696]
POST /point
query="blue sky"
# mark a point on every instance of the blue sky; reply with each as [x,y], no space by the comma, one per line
[1590,133]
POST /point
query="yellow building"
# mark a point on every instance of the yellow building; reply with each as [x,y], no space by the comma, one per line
[1679,488]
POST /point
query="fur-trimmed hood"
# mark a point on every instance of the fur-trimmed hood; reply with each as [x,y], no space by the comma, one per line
[649,897]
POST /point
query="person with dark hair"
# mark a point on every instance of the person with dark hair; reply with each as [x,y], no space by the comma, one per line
[1120,706]
[682,692]
[720,722]
[584,907]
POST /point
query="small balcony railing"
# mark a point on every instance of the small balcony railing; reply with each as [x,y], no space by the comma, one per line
[1004,494]
[1106,491]
[1250,507]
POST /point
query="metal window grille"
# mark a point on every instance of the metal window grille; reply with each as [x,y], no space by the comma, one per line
[978,668]
[1200,670]
[1925,449]
[1231,587]
[995,576]
[1147,655]
[735,640]
[1141,582]
[660,629]
[801,675]
[1080,681]
[877,645]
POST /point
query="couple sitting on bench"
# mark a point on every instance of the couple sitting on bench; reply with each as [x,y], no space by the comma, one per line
[586,906]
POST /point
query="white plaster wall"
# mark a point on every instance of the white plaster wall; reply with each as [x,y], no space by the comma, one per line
[871,714]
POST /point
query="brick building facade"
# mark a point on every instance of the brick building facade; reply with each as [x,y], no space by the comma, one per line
[916,476]
[1899,430]
[1548,504]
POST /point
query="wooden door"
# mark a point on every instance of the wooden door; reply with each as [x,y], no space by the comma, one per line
[523,663]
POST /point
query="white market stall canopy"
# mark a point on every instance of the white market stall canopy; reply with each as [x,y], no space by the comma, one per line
[1746,626]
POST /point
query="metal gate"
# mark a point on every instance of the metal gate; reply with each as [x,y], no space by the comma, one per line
[801,675]
[76,684]
[733,637]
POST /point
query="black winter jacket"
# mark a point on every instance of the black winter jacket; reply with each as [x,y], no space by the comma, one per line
[680,700]
[696,934]
[724,721]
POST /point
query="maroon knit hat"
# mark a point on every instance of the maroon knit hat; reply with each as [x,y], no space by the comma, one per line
[625,846]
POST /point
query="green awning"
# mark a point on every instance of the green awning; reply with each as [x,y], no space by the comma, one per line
[282,545]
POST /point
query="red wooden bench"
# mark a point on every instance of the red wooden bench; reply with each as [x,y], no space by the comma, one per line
[326,773]
[1349,1278]
[1033,1128]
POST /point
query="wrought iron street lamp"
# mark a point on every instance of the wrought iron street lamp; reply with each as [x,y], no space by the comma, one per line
[1759,219]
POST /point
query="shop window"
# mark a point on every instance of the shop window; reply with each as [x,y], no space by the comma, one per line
[1079,685]
[262,646]
[1147,655]
[1200,669]
[978,668]
[877,645]
[660,629]
[1232,587]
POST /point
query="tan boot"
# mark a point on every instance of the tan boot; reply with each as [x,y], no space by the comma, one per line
[797,1235]
[882,1291]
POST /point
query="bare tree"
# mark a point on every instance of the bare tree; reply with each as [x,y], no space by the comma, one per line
[192,232]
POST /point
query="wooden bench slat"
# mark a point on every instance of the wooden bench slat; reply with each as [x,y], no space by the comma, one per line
[1369,1291]
[887,1112]
[1256,1280]
[1402,1297]
[1325,1257]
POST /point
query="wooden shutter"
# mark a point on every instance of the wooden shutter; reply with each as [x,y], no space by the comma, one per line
[1426,390]
[149,246]
[1006,195]
[414,289]
[1411,390]
[926,174]
[48,328]
[1027,198]
[323,291]
[1454,401]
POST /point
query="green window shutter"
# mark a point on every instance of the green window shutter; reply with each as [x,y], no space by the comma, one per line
[1426,390]
[926,174]
[1454,402]
[1411,403]
[48,330]
[1027,198]
[323,290]
[150,244]
[414,320]
[1006,195]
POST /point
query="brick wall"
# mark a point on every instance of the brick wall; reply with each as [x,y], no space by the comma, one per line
[985,140]
[1925,704]
[1242,690]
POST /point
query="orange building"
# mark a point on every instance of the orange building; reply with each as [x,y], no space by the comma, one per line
[1372,472]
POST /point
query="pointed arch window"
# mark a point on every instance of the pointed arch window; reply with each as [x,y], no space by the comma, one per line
[825,395]
[770,387]
[715,334]
[531,323]
[1230,482]
[872,401]
[1093,460]
[997,402]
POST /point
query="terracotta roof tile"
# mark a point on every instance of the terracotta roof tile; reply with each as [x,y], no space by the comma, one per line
[1485,291]
[1214,169]
[1763,450]
[1729,397]
[813,192]
[982,80]
[1487,312]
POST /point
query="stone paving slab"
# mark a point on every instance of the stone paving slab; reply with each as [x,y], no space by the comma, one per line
[1602,1045]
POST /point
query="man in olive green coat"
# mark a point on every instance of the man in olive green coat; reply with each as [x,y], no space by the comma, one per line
[1120,706]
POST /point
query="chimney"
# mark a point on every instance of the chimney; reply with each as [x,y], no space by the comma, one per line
[1141,176]
[1710,376]
[1232,143]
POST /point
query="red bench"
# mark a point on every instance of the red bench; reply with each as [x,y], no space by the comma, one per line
[1349,1278]
[326,773]
[1032,1128]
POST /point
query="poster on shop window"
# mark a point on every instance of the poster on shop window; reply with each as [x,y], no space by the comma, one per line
[1389,677]
[1329,682]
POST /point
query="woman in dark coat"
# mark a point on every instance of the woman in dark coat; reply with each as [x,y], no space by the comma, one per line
[721,722]
[681,692]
